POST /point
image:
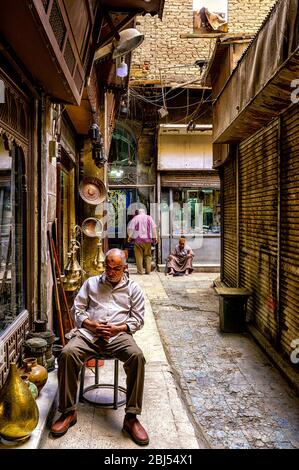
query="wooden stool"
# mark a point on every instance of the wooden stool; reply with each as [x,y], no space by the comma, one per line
[117,389]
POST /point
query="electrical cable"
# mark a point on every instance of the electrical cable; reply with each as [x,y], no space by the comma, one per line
[142,98]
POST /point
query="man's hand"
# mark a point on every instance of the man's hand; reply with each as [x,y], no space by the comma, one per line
[189,255]
[129,239]
[97,328]
[102,329]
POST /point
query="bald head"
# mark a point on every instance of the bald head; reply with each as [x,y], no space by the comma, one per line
[116,256]
[115,265]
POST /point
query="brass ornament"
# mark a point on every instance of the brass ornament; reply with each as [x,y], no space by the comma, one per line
[99,259]
[92,190]
[92,227]
[73,272]
[18,410]
[35,372]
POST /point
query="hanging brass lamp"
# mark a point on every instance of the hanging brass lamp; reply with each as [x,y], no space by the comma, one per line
[73,271]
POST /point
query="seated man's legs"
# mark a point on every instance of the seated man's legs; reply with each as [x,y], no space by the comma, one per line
[126,350]
[70,361]
[170,269]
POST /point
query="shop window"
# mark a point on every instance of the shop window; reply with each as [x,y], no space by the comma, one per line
[210,16]
[65,205]
[196,211]
[12,234]
[123,157]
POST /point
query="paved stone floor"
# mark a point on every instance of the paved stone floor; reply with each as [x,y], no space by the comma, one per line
[234,394]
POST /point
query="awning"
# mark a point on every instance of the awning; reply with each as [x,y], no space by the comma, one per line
[200,179]
[260,88]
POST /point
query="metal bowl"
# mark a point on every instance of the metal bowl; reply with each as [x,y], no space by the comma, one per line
[92,190]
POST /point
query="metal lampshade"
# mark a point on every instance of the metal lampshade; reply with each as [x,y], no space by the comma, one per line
[129,39]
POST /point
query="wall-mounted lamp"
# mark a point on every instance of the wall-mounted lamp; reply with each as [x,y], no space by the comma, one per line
[98,153]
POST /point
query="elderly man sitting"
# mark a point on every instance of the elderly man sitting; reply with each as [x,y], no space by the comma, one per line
[108,310]
[180,260]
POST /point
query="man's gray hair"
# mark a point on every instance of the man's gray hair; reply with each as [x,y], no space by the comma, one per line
[141,211]
[116,252]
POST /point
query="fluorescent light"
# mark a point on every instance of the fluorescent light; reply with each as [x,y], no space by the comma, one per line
[184,126]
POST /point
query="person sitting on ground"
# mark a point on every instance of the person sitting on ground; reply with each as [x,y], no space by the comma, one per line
[108,310]
[180,260]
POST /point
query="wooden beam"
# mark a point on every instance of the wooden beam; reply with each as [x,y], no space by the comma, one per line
[119,27]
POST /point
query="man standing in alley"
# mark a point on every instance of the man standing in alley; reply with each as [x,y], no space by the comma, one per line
[143,231]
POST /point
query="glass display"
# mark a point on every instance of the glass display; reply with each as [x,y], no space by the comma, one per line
[11,235]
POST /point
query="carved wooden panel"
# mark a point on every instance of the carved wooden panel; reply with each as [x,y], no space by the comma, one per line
[11,342]
[14,114]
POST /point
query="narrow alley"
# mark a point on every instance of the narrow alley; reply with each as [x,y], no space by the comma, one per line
[149,190]
[234,396]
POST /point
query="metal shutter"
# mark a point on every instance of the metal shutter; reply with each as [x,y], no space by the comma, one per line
[258,225]
[290,228]
[191,180]
[229,224]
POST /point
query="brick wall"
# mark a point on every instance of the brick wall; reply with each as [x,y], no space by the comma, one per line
[163,47]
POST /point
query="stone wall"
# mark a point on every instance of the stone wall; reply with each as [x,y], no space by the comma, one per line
[164,48]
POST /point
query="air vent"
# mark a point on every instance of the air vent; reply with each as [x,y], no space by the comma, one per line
[57,24]
[69,57]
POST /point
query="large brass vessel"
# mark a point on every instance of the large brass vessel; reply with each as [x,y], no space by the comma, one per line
[18,411]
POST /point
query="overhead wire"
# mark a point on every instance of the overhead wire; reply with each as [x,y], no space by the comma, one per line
[145,100]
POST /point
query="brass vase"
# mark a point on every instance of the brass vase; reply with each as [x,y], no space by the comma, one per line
[18,411]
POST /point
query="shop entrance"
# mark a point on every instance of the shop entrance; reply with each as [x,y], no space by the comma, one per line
[123,204]
[195,214]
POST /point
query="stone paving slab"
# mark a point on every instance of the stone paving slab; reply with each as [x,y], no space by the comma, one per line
[236,395]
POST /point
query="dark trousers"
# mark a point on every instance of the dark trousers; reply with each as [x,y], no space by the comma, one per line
[79,349]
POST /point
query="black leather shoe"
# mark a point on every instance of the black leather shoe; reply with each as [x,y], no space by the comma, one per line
[137,432]
[62,424]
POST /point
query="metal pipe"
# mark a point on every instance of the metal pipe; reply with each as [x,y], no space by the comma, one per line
[159,216]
